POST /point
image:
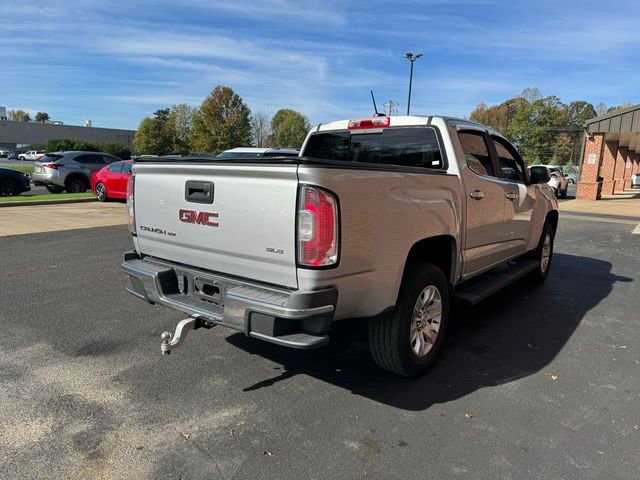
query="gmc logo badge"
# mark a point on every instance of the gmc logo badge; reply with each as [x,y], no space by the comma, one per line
[199,218]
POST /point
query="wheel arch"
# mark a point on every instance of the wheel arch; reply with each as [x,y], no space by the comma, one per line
[82,176]
[439,250]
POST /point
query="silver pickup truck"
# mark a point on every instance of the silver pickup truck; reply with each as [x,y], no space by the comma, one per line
[386,218]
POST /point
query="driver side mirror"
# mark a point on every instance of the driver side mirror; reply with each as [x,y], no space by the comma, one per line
[539,175]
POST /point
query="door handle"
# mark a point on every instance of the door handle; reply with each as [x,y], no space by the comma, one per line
[512,196]
[477,194]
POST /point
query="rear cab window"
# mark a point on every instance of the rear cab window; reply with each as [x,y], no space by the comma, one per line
[416,147]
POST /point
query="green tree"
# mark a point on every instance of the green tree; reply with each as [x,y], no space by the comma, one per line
[116,149]
[69,144]
[222,122]
[289,128]
[60,145]
[153,135]
[42,117]
[19,116]
[544,130]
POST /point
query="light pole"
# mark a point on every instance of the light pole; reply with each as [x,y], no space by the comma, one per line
[412,58]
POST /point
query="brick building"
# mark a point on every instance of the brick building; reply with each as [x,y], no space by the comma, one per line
[611,151]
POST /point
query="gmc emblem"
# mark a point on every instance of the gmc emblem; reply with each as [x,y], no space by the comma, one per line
[199,218]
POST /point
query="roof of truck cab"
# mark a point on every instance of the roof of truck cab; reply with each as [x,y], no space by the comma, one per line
[260,150]
[398,121]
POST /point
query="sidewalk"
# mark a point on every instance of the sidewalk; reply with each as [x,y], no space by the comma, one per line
[623,204]
[50,218]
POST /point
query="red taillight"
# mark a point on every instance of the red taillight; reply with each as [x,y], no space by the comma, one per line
[130,207]
[53,166]
[317,228]
[376,122]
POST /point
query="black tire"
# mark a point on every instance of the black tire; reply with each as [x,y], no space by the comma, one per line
[54,189]
[540,274]
[9,187]
[101,192]
[390,334]
[76,185]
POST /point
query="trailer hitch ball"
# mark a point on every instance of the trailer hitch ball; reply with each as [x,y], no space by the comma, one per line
[170,341]
[164,344]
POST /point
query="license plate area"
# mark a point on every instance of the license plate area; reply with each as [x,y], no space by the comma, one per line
[207,289]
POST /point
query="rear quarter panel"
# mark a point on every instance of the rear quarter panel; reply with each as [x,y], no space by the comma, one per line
[382,215]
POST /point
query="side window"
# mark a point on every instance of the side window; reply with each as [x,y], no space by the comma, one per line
[115,167]
[126,168]
[510,168]
[476,153]
[90,159]
[83,159]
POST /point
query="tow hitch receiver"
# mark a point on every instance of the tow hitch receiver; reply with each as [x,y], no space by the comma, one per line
[170,341]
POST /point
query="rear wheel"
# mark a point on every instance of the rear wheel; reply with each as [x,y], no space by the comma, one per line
[54,189]
[543,254]
[101,192]
[76,185]
[9,187]
[408,340]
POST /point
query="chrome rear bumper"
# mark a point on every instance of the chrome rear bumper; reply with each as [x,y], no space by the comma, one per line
[287,317]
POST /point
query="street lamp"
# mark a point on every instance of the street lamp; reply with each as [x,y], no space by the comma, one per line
[412,58]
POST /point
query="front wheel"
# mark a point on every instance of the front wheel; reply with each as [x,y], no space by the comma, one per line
[408,340]
[9,188]
[543,254]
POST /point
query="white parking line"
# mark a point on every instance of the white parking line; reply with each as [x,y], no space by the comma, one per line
[637,229]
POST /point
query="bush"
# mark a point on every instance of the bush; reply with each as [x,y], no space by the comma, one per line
[66,144]
[116,149]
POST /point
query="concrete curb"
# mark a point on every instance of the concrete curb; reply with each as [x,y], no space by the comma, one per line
[47,202]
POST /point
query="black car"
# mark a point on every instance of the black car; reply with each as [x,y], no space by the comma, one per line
[13,182]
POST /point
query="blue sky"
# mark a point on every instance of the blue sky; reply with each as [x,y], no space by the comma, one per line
[116,61]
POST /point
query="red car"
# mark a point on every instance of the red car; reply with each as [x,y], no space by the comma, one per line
[111,181]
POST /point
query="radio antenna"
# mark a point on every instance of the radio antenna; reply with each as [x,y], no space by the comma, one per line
[375,108]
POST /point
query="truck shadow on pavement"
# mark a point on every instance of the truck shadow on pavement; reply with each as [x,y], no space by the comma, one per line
[514,334]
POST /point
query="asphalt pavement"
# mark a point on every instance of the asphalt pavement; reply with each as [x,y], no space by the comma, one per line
[534,383]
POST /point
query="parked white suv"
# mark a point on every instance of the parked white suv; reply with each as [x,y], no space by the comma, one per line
[385,218]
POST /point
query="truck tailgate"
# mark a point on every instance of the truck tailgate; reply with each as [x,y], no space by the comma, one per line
[248,230]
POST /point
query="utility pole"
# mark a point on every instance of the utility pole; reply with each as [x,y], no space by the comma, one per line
[412,58]
[391,108]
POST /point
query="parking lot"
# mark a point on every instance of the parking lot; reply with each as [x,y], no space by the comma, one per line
[536,382]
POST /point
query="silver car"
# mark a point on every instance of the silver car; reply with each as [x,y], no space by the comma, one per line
[70,171]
